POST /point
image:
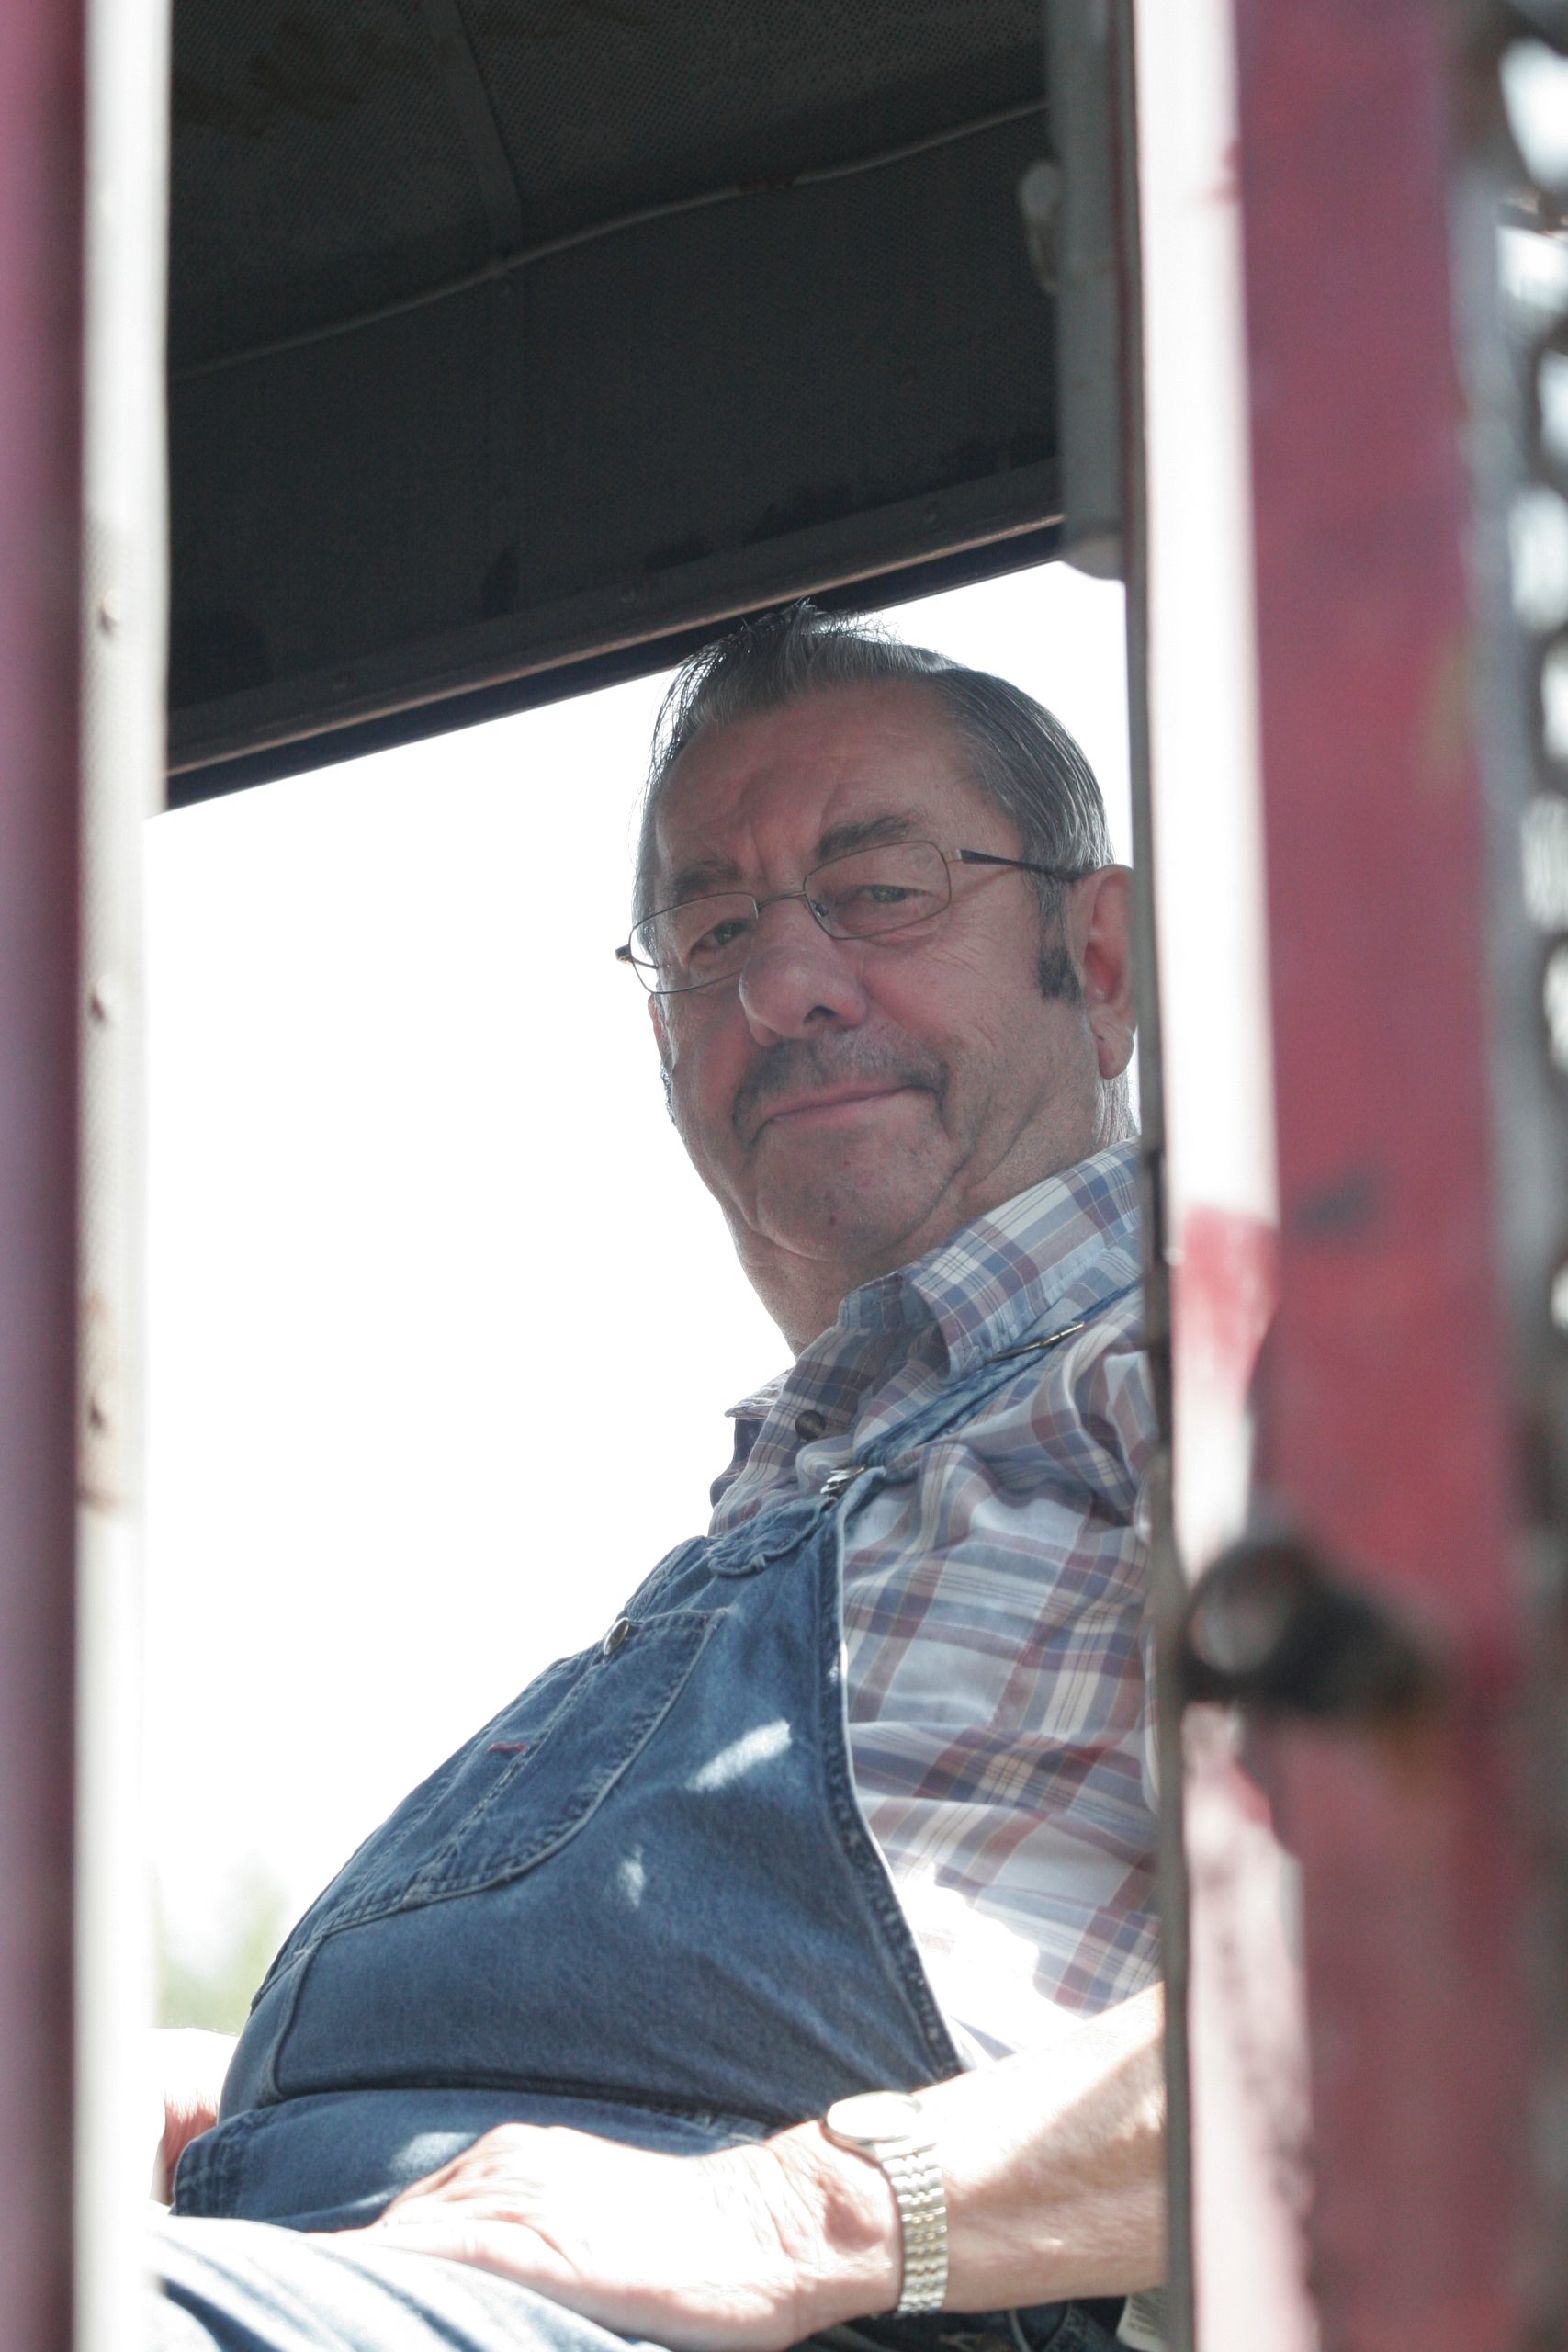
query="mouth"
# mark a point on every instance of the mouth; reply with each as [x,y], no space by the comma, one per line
[827,1106]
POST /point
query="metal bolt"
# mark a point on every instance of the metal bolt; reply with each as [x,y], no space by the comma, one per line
[1274,1625]
[1558,1298]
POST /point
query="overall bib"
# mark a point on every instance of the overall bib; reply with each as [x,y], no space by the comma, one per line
[643,1901]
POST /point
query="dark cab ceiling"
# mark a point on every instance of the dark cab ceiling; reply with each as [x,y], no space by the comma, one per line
[513,342]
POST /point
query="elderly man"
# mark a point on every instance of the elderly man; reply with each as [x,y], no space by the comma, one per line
[615,2028]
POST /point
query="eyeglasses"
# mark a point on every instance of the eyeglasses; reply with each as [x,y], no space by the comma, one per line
[866,894]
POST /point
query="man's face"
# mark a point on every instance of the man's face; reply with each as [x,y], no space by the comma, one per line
[852,1103]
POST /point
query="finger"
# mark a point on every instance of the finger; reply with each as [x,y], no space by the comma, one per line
[449,2181]
[502,2154]
[504,2190]
[505,2247]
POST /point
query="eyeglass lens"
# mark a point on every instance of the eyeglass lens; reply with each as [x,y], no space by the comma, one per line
[861,896]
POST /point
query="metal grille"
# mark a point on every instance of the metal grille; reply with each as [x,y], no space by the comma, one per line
[1513,241]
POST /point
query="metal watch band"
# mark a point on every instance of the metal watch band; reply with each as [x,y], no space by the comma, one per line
[916,2183]
[888,2130]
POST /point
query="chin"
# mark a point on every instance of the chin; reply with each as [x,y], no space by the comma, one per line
[845,1220]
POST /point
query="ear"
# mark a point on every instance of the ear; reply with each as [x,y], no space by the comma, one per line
[1102,929]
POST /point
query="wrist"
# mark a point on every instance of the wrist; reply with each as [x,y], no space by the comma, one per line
[841,2228]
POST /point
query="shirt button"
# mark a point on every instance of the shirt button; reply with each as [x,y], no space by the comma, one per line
[810,1424]
[617,1638]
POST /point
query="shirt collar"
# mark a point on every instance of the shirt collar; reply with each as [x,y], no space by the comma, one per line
[1067,1243]
[1061,1247]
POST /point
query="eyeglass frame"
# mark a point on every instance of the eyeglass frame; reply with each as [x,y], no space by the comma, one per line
[867,939]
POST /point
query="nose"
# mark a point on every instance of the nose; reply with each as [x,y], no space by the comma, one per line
[796,980]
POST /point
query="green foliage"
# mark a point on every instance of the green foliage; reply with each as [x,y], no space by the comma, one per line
[214,1988]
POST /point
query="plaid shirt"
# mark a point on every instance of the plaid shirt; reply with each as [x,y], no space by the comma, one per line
[995,1603]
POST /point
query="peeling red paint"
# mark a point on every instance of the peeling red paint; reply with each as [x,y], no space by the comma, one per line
[1224,1279]
[1384,1416]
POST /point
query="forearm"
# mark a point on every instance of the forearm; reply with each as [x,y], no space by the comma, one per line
[1053,2168]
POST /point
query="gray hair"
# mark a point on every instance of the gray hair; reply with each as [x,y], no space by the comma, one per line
[1023,758]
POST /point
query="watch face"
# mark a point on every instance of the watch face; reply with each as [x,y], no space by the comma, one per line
[877,2115]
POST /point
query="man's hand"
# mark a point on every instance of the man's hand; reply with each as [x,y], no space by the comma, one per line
[1053,2165]
[187,2067]
[749,2249]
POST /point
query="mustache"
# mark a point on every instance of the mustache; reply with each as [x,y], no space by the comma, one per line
[802,1065]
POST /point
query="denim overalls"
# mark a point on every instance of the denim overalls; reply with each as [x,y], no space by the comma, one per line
[643,1900]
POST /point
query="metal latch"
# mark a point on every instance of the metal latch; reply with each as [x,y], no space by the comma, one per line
[1274,1626]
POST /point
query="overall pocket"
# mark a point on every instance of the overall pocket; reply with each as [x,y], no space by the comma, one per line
[553,1780]
[521,1786]
[399,2005]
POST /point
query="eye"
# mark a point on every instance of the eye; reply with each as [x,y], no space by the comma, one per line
[719,939]
[890,888]
[880,894]
[859,908]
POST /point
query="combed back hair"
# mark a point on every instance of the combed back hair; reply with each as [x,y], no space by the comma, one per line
[1021,756]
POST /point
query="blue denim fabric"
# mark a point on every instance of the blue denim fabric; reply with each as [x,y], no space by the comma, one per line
[642,1900]
[250,2287]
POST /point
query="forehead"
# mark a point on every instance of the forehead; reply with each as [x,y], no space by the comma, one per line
[770,788]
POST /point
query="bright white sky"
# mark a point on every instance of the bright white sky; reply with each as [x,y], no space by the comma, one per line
[442,1327]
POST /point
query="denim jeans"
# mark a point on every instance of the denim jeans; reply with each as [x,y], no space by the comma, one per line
[253,2287]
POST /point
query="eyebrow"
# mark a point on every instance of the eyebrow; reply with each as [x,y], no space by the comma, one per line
[710,874]
[696,881]
[865,833]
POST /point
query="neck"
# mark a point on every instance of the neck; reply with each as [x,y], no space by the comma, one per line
[803,1295]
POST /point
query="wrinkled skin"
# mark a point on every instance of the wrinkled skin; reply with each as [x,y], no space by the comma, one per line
[851,1103]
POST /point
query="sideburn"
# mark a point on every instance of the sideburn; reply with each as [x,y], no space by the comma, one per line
[1057,978]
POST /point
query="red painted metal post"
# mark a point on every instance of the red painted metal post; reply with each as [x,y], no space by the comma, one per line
[1386,1429]
[40,304]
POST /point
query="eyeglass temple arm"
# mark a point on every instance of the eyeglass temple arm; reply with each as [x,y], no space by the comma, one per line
[1024,865]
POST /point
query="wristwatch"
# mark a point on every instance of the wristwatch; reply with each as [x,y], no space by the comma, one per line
[889,2128]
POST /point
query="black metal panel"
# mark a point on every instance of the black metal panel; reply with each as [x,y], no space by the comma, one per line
[390,723]
[544,458]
